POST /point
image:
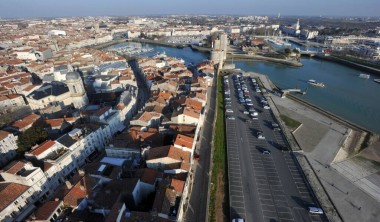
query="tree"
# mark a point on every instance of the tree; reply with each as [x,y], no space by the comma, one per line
[32,136]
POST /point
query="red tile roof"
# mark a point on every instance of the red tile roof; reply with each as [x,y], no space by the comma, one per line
[3,134]
[46,210]
[43,147]
[9,192]
[26,121]
[177,185]
[169,151]
[14,167]
[184,141]
[192,103]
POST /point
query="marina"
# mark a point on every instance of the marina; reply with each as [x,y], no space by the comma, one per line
[130,49]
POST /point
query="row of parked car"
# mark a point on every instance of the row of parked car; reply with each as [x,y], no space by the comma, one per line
[244,96]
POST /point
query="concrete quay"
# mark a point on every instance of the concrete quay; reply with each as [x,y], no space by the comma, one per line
[263,58]
[352,184]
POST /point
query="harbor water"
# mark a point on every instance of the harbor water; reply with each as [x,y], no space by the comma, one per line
[345,94]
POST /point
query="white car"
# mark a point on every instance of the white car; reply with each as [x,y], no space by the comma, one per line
[231,117]
[266,107]
[254,114]
[237,220]
[315,210]
[260,136]
[229,111]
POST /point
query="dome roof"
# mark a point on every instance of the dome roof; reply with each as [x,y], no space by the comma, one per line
[72,76]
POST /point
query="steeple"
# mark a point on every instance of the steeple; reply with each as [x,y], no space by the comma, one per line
[298,24]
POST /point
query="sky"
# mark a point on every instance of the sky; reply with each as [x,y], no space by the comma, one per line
[68,8]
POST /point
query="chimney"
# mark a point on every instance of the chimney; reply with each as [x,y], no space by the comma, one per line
[68,184]
[81,172]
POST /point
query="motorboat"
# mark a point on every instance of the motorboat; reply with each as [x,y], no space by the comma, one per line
[315,83]
[377,80]
[364,76]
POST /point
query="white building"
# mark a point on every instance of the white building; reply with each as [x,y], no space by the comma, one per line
[306,34]
[34,54]
[56,33]
[8,147]
[24,185]
[59,94]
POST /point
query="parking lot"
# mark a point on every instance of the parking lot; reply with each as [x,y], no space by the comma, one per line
[265,181]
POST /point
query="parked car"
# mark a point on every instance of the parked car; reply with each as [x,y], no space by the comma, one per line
[229,111]
[260,135]
[266,107]
[237,220]
[266,152]
[254,113]
[315,210]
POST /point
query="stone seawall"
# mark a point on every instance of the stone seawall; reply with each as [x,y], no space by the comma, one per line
[243,57]
[349,63]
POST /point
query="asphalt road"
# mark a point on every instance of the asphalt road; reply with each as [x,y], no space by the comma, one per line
[263,187]
[198,206]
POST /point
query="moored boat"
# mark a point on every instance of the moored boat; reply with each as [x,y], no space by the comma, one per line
[315,83]
[377,80]
[364,76]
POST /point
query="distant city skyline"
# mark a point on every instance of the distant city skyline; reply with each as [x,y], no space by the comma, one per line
[69,8]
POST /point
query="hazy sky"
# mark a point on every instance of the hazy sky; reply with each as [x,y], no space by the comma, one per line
[58,8]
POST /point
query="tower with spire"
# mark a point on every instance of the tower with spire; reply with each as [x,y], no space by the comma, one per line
[297,25]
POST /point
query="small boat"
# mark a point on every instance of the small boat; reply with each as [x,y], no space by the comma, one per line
[377,80]
[315,83]
[364,76]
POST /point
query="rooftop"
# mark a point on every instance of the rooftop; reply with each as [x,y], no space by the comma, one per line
[43,147]
[46,210]
[9,192]
[49,89]
[4,134]
[26,121]
[184,141]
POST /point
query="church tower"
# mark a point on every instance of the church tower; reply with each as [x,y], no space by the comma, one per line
[76,88]
[298,25]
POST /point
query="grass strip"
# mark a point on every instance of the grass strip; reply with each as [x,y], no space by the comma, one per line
[289,122]
[219,154]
